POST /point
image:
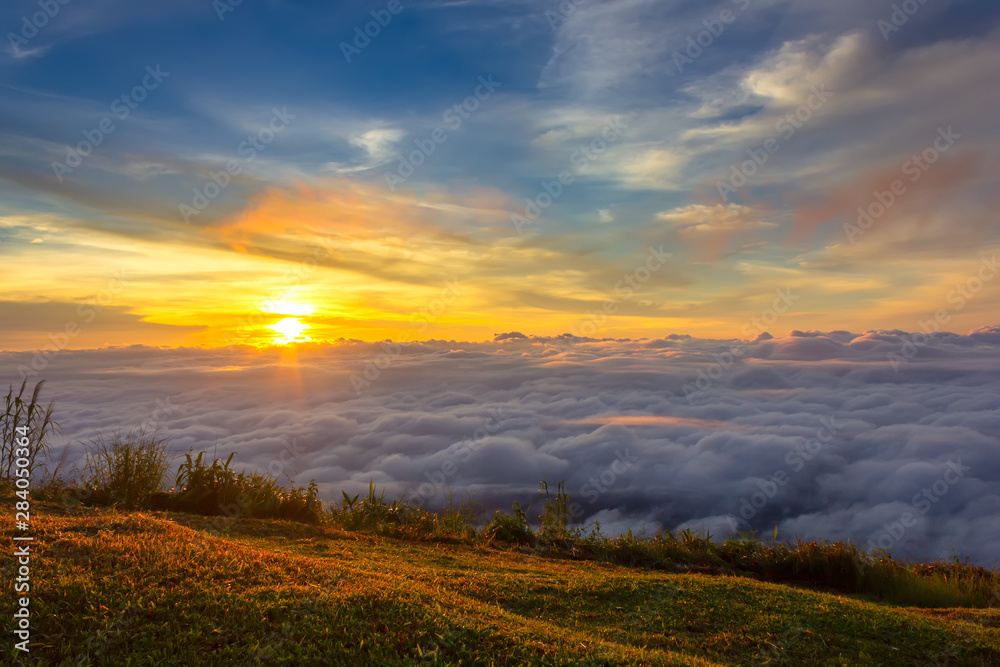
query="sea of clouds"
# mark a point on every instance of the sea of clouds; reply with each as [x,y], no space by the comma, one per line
[884,438]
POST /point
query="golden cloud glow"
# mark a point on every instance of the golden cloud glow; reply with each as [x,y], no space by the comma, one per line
[341,259]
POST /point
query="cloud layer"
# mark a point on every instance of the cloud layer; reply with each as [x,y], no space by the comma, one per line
[882,438]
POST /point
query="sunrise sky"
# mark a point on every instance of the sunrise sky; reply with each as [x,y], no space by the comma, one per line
[615,169]
[716,241]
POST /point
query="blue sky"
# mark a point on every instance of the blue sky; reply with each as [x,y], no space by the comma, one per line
[564,72]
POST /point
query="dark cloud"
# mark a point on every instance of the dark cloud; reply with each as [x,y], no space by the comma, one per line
[54,316]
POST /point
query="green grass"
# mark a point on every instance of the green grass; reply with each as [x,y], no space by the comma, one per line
[217,490]
[110,587]
[126,471]
[838,567]
[375,582]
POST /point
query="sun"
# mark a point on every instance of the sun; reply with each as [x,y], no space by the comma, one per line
[289,330]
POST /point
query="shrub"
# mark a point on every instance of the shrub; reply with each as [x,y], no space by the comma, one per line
[374,514]
[35,423]
[218,489]
[554,519]
[507,528]
[460,520]
[125,468]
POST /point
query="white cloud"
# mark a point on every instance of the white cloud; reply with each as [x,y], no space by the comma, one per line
[495,418]
[379,143]
[700,218]
[881,109]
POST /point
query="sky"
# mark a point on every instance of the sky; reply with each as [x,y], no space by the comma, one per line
[724,265]
[202,173]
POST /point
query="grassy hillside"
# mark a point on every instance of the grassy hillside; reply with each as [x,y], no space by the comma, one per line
[157,588]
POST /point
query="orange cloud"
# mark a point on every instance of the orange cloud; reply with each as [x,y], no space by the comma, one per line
[346,210]
[652,420]
[712,229]
[923,193]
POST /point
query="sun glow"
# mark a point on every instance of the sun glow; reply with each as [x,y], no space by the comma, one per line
[286,307]
[289,330]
